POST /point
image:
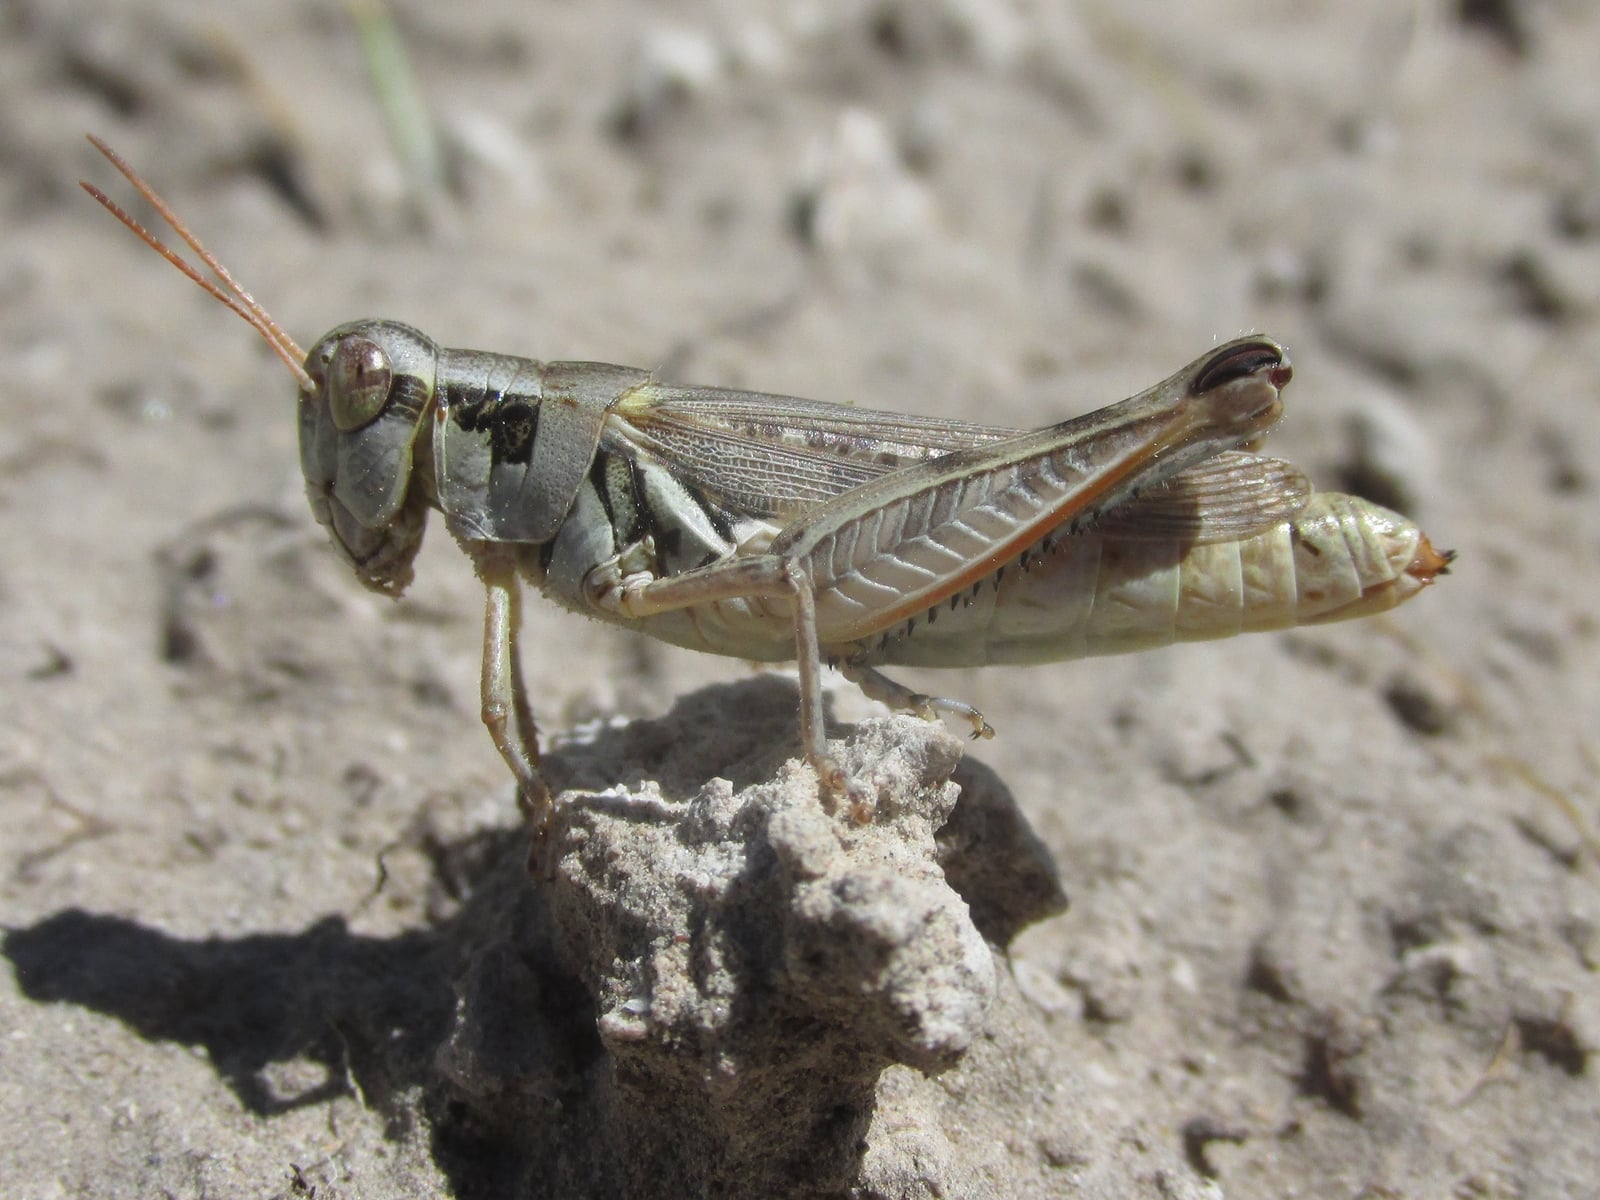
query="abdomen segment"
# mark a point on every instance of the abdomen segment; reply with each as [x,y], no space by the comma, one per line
[1089,594]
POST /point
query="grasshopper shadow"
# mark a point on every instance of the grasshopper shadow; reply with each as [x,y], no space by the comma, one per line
[250,1002]
[376,1015]
[371,1012]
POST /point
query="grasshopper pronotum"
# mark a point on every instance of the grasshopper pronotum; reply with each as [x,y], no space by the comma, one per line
[774,528]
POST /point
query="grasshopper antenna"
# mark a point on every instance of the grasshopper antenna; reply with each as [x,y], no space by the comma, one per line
[234,297]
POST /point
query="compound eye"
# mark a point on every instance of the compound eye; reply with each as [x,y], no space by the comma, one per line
[359,378]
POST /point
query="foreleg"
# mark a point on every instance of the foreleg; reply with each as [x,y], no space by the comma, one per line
[505,709]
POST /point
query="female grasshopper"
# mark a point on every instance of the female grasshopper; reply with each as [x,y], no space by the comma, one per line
[774,528]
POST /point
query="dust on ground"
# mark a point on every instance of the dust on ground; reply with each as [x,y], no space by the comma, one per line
[1334,906]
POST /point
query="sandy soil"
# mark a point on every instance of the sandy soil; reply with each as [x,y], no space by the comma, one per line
[1335,922]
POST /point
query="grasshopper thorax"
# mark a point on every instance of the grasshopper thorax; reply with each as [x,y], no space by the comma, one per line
[370,395]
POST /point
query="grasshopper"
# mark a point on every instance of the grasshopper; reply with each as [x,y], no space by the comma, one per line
[774,528]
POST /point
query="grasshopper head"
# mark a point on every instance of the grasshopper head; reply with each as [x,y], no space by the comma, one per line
[365,389]
[367,395]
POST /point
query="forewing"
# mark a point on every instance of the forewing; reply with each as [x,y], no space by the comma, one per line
[776,456]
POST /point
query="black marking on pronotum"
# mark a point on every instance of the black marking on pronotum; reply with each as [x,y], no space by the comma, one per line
[511,440]
[511,421]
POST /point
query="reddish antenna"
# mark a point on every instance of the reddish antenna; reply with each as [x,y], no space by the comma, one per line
[231,295]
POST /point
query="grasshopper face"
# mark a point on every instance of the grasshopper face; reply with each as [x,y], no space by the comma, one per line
[372,387]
